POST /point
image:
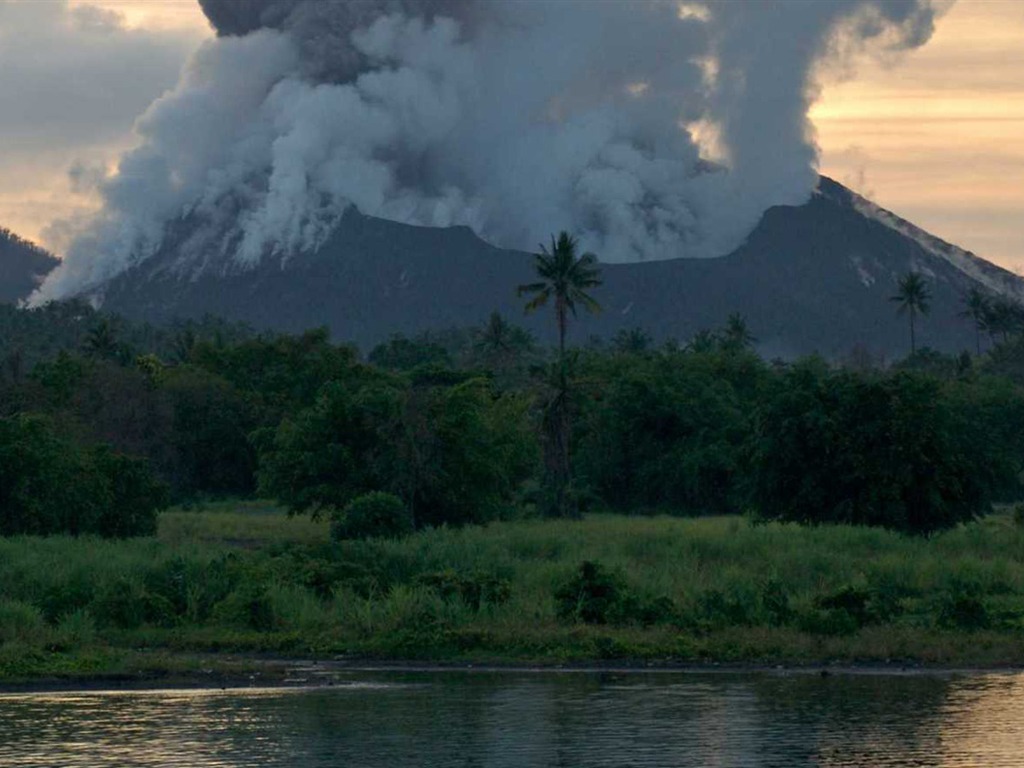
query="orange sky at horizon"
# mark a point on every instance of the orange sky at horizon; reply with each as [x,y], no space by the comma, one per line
[937,137]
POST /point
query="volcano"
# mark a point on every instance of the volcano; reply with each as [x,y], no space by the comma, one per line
[814,278]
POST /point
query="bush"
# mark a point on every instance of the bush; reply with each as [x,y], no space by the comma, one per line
[372,515]
[595,595]
[963,610]
[475,589]
[590,596]
[1018,513]
[21,622]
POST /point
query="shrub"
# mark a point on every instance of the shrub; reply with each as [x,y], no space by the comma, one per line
[1018,513]
[595,595]
[475,589]
[590,595]
[962,610]
[372,515]
[21,622]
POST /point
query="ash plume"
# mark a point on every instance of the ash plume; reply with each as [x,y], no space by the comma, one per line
[650,129]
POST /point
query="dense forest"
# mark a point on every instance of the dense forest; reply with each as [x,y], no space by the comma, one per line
[103,422]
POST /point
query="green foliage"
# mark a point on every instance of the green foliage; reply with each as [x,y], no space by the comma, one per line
[667,431]
[50,485]
[372,515]
[343,446]
[834,447]
[475,589]
[656,588]
[1018,513]
[597,595]
[591,595]
[454,453]
[400,353]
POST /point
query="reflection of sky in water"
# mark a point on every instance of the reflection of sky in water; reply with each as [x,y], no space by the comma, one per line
[503,720]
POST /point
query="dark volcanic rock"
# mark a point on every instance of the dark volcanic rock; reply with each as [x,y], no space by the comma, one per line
[813,278]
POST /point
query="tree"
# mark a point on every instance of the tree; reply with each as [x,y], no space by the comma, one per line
[977,307]
[1003,316]
[52,485]
[703,342]
[912,297]
[737,335]
[453,453]
[565,278]
[499,343]
[891,451]
[632,341]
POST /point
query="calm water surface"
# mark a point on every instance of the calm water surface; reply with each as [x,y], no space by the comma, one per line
[371,720]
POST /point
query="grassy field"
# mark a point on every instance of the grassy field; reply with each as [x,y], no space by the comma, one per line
[243,578]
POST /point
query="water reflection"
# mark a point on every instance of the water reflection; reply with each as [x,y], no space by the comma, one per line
[519,719]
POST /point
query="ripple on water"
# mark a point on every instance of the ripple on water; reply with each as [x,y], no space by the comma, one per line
[507,719]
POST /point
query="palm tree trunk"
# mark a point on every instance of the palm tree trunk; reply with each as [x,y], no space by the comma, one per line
[913,346]
[563,480]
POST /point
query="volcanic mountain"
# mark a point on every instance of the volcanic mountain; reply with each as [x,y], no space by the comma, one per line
[811,278]
[23,265]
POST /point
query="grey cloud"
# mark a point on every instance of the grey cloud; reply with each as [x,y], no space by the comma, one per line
[516,118]
[77,77]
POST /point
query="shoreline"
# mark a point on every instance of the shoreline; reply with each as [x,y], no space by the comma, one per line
[268,673]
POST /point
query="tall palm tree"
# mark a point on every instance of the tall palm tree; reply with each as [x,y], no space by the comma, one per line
[912,297]
[977,306]
[564,277]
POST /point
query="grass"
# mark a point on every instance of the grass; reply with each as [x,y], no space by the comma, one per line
[245,578]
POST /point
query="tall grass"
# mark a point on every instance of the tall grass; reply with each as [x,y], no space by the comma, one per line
[247,577]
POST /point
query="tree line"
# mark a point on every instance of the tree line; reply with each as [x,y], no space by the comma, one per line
[103,422]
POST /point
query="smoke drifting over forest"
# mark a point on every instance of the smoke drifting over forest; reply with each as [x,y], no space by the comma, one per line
[650,129]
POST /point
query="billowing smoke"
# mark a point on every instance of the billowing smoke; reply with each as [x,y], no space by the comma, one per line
[651,129]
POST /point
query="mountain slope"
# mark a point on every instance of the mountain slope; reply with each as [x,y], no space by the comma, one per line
[22,266]
[812,278]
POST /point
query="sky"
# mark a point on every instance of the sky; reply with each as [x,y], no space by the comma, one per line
[937,136]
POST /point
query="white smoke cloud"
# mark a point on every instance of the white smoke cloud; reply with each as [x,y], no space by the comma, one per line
[515,118]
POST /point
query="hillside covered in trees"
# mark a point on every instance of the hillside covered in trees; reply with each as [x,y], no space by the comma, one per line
[23,265]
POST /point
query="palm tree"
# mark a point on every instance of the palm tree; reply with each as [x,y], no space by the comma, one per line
[565,278]
[977,306]
[101,340]
[632,340]
[703,342]
[500,343]
[1003,316]
[912,297]
[737,335]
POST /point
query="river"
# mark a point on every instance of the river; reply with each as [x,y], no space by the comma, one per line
[517,719]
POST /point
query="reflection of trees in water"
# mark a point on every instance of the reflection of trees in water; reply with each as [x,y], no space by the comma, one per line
[510,720]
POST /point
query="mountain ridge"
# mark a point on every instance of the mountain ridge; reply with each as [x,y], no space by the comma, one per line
[811,278]
[23,265]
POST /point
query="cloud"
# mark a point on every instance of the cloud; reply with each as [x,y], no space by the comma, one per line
[74,80]
[517,119]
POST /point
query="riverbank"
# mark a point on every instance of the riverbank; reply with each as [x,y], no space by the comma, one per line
[226,590]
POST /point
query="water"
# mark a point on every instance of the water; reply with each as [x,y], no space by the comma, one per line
[442,719]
